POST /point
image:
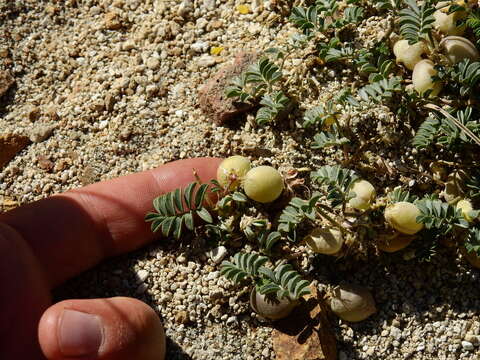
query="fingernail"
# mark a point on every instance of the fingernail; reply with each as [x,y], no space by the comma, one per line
[80,334]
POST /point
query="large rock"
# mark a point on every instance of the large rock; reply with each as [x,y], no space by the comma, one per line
[306,333]
[10,145]
[212,97]
[6,80]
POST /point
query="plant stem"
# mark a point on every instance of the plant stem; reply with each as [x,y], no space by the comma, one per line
[329,218]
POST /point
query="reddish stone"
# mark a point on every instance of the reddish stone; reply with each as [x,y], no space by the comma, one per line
[306,333]
[211,96]
[10,145]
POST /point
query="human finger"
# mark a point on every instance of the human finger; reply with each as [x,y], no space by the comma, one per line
[117,328]
[74,231]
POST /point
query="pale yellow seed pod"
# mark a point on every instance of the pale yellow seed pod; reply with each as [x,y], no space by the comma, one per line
[364,195]
[395,244]
[457,48]
[465,206]
[422,78]
[352,302]
[326,241]
[231,171]
[263,184]
[447,23]
[402,216]
[407,54]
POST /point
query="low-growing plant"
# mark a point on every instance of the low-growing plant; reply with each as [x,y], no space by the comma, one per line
[424,76]
[258,85]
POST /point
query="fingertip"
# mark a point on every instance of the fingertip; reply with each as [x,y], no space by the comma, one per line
[115,328]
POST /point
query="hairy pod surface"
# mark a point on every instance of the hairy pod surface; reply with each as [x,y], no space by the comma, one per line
[402,216]
[271,309]
[465,206]
[407,54]
[398,243]
[422,78]
[352,302]
[231,171]
[447,23]
[364,195]
[457,48]
[263,184]
[326,241]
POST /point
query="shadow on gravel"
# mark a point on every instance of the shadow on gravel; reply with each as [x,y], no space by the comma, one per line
[424,293]
[116,277]
[6,99]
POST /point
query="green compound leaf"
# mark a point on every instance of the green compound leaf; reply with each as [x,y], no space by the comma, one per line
[306,19]
[174,210]
[336,181]
[243,265]
[273,105]
[284,282]
[398,195]
[380,90]
[416,22]
[439,215]
[443,131]
[467,75]
[426,133]
[267,240]
[328,139]
[353,15]
[472,242]
[237,89]
[326,7]
[319,115]
[472,183]
[473,22]
[264,72]
[296,212]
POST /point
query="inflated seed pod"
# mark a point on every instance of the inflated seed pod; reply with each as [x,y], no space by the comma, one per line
[447,23]
[395,244]
[352,302]
[263,184]
[465,206]
[231,171]
[402,216]
[364,195]
[422,78]
[271,309]
[326,241]
[407,54]
[457,48]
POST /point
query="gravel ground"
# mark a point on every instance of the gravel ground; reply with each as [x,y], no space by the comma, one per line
[106,88]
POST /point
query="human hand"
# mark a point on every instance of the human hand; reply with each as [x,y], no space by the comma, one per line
[45,243]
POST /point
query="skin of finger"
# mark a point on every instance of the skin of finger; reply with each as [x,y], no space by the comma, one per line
[74,231]
[131,329]
[24,297]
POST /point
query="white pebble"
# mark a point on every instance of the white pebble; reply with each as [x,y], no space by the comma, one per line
[206,61]
[142,275]
[217,254]
[199,46]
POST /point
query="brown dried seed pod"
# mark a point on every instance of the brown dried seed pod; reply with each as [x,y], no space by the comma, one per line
[352,302]
[269,308]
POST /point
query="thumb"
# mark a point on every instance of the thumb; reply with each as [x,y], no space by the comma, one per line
[117,328]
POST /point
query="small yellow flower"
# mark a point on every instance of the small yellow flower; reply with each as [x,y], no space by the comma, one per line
[243,9]
[216,50]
